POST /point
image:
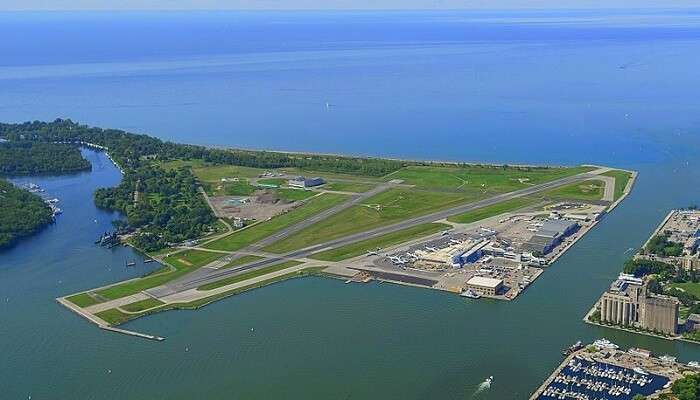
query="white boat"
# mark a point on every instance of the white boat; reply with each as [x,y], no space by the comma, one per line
[694,364]
[470,294]
[605,344]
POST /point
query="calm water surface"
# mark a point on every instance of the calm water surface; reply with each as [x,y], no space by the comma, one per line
[558,88]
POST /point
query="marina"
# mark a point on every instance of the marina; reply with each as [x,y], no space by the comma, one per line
[601,371]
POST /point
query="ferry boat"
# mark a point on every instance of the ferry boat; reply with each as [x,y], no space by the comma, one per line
[470,294]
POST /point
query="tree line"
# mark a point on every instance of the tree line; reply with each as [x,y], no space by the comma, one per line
[23,213]
[132,150]
[33,158]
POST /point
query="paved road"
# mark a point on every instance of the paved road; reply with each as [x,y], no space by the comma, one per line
[205,275]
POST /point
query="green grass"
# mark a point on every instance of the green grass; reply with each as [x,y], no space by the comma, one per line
[241,261]
[195,257]
[587,190]
[354,187]
[383,241]
[272,181]
[294,194]
[249,275]
[688,287]
[240,188]
[82,300]
[493,210]
[208,172]
[481,179]
[192,258]
[245,237]
[114,317]
[621,179]
[142,305]
[393,205]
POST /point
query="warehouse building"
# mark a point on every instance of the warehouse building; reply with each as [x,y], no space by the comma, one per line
[485,286]
[550,235]
[302,182]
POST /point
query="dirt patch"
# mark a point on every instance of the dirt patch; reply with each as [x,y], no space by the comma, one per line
[182,260]
[263,204]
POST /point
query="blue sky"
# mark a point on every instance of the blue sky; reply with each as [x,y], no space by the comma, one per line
[334,4]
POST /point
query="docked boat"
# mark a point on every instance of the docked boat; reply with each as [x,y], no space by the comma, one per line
[574,347]
[470,294]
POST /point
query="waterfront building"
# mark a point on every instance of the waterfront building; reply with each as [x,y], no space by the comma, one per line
[550,235]
[485,286]
[629,303]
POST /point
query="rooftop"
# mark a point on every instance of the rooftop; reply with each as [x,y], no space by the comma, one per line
[485,282]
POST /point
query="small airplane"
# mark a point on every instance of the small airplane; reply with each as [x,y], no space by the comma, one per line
[445,233]
[372,253]
[431,248]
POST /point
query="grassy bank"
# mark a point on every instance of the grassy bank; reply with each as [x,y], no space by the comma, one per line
[182,263]
[621,179]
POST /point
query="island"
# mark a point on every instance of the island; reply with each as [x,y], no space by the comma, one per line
[23,213]
[224,221]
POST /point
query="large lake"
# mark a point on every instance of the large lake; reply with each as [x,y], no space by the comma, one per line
[617,88]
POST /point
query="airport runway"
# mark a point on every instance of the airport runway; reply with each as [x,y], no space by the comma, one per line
[205,275]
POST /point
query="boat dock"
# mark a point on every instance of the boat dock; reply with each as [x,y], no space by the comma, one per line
[601,371]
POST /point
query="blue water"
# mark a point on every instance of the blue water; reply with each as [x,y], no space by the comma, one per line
[570,87]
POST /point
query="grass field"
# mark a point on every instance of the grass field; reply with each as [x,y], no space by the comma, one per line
[481,179]
[82,300]
[142,305]
[272,181]
[689,287]
[114,316]
[354,187]
[383,241]
[388,207]
[294,194]
[493,210]
[183,263]
[621,179]
[207,172]
[249,275]
[240,188]
[245,237]
[586,190]
[192,258]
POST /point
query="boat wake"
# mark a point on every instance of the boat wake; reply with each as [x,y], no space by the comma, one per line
[483,386]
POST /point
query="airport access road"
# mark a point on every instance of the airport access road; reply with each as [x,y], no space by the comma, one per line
[205,275]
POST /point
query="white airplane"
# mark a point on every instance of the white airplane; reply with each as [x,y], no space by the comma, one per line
[431,248]
[454,241]
[372,253]
[445,233]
